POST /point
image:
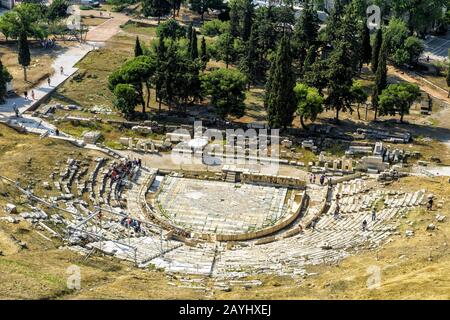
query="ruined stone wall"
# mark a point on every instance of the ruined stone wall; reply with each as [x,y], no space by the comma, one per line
[273,180]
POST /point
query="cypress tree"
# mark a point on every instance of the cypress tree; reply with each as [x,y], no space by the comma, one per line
[248,20]
[366,53]
[310,59]
[380,77]
[5,77]
[280,98]
[249,62]
[160,71]
[24,53]
[169,77]
[204,54]
[234,19]
[306,32]
[137,48]
[376,50]
[193,50]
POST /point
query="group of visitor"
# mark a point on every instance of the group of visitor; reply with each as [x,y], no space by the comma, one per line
[131,223]
[123,170]
[322,179]
[48,43]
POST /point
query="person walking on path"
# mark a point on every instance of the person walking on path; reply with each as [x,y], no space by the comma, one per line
[374,215]
[32,95]
[337,211]
[25,94]
[62,70]
[16,110]
[49,81]
[364,225]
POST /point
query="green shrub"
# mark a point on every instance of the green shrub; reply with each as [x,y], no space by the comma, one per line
[215,27]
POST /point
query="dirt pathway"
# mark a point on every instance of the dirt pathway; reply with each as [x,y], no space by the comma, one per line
[425,85]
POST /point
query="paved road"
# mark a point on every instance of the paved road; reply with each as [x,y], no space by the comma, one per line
[437,47]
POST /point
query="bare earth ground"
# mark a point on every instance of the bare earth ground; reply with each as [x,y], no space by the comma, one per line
[40,66]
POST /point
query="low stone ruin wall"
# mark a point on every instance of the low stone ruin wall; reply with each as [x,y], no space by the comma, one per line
[273,180]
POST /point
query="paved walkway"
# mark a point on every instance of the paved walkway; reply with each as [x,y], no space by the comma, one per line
[67,60]
[108,29]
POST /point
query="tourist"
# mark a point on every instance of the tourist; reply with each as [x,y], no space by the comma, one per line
[57,132]
[336,211]
[16,110]
[314,223]
[314,178]
[49,81]
[364,225]
[322,179]
[310,178]
[32,95]
[25,94]
[374,215]
[430,203]
[139,163]
[62,70]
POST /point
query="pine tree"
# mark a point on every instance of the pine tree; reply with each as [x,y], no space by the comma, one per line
[376,50]
[366,53]
[193,50]
[280,98]
[137,48]
[204,54]
[380,77]
[24,53]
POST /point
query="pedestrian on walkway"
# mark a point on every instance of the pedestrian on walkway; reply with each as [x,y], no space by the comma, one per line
[364,225]
[322,179]
[49,81]
[374,215]
[336,211]
[57,131]
[25,94]
[32,95]
[313,223]
[62,70]
[16,110]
